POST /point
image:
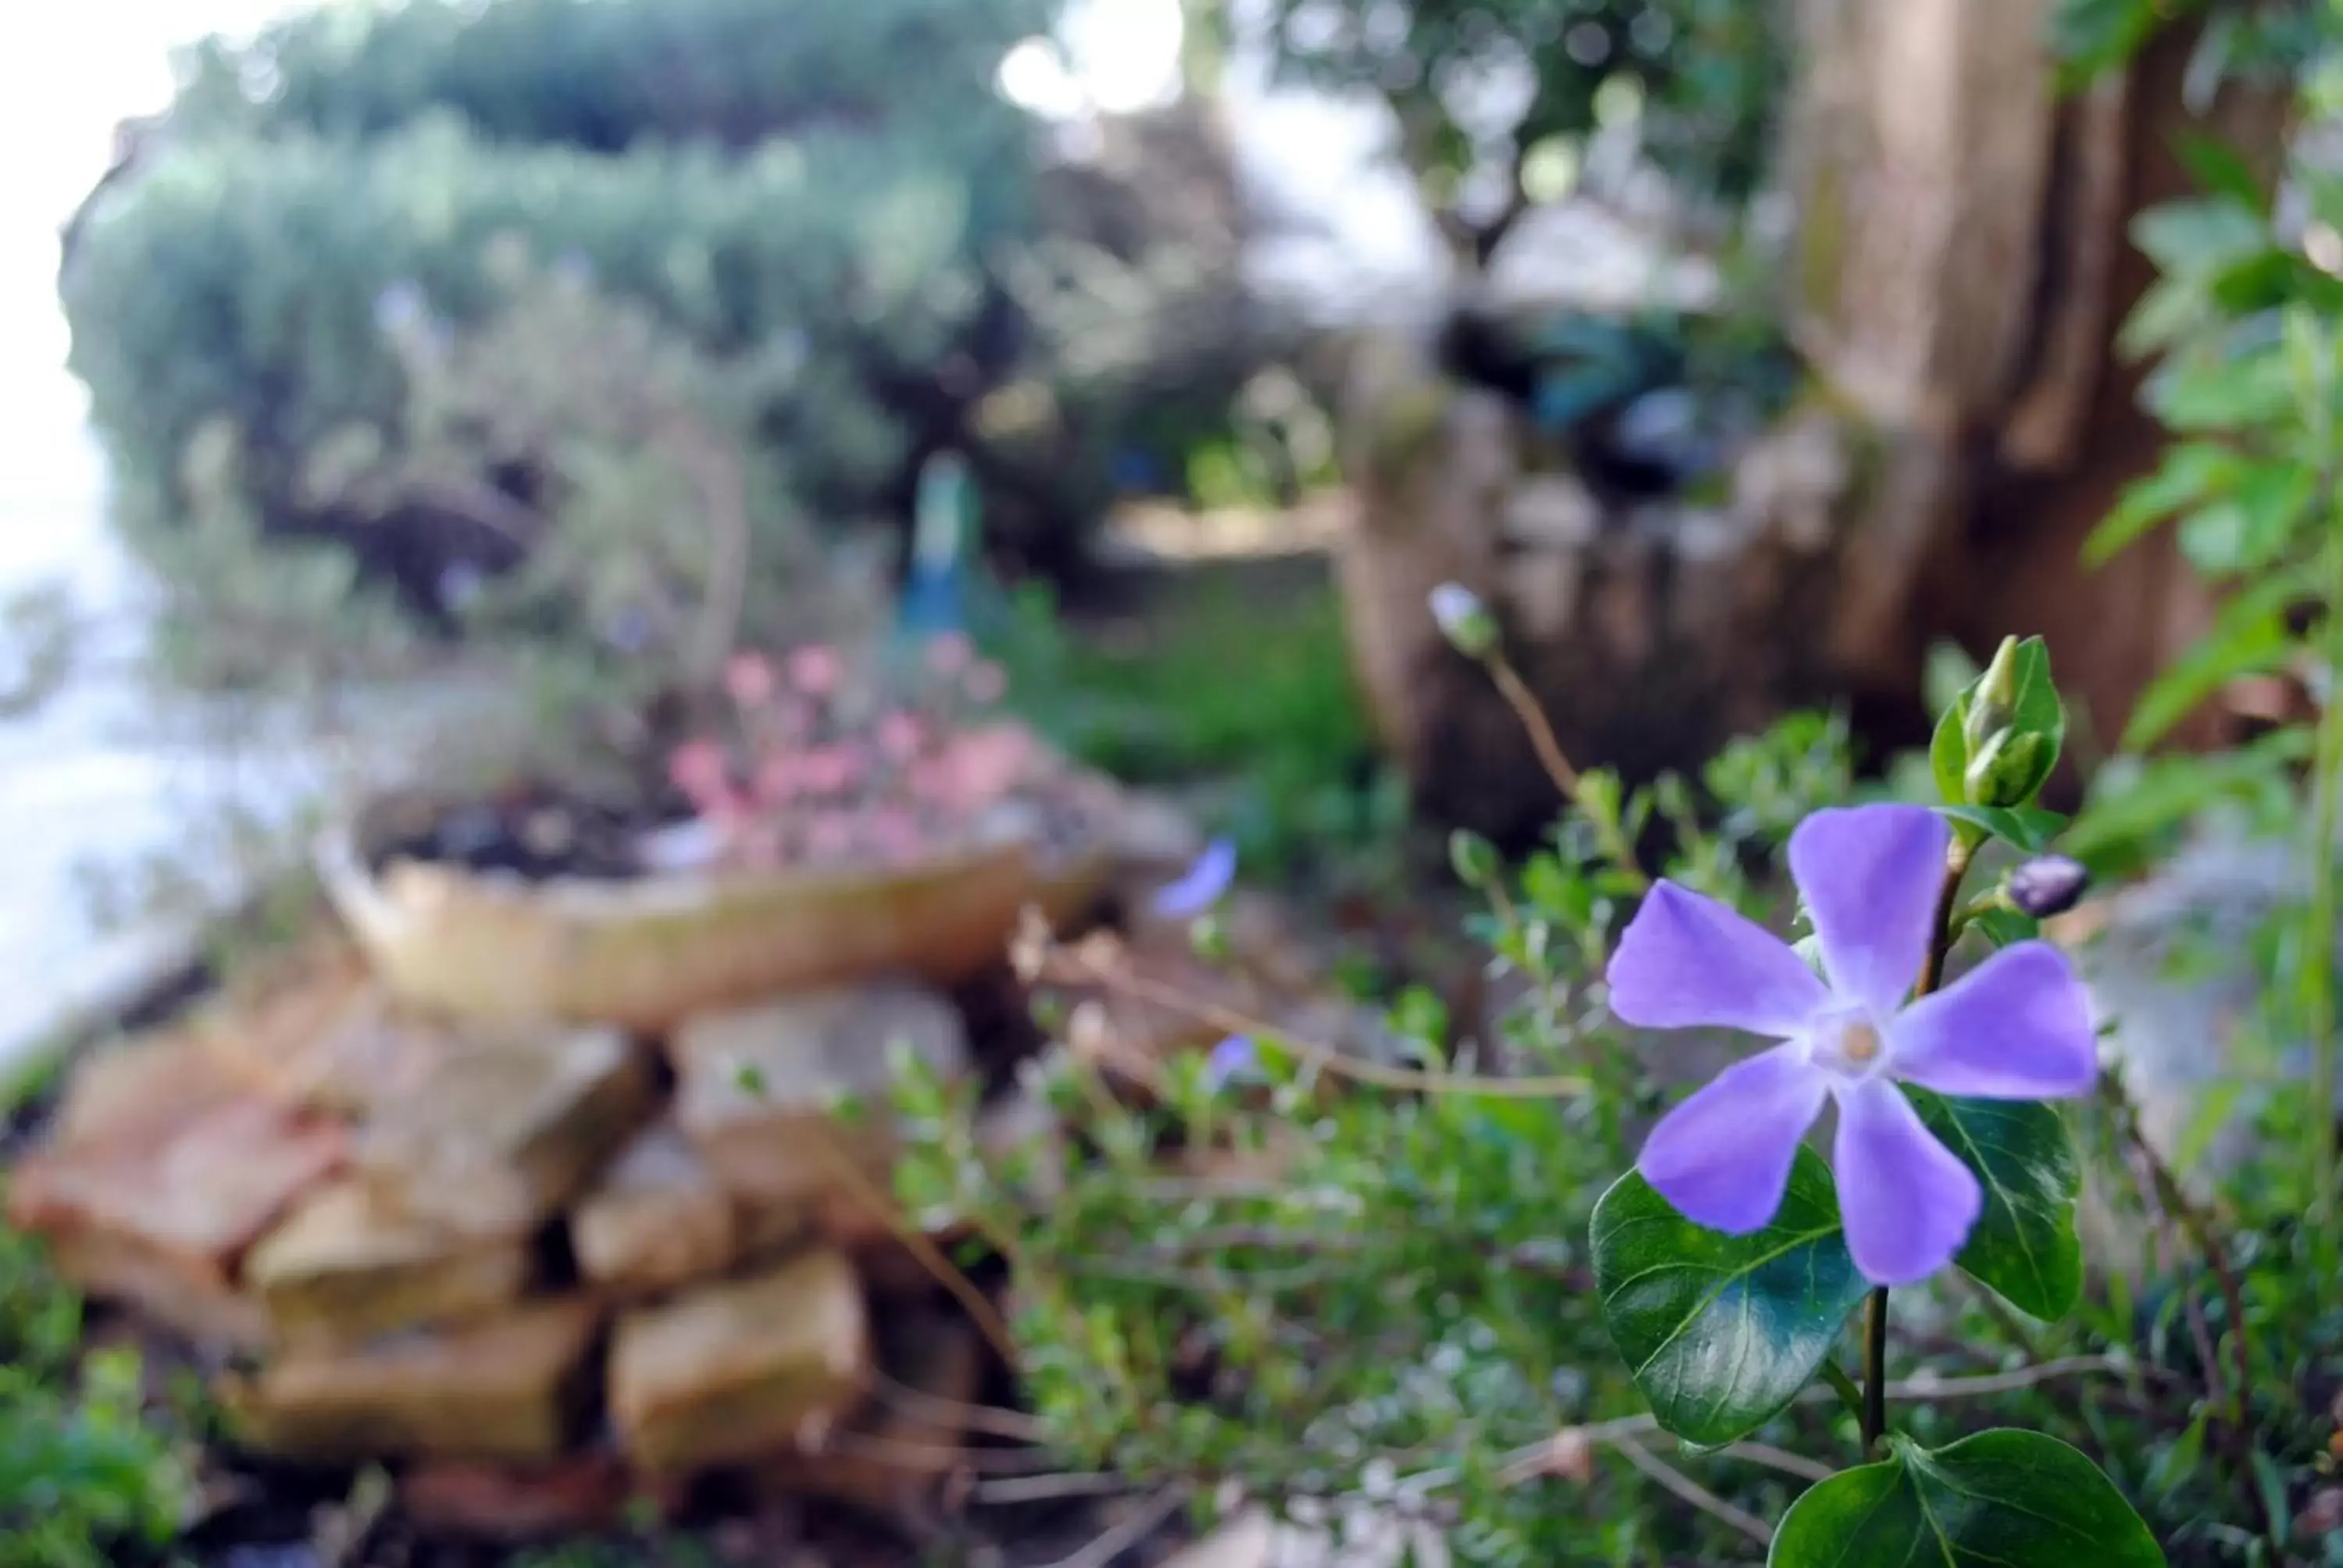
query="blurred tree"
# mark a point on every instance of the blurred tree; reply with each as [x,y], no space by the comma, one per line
[1955,287]
[1482,89]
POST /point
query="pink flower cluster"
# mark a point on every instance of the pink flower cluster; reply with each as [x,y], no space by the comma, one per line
[817,774]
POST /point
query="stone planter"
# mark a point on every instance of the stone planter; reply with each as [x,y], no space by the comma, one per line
[645,953]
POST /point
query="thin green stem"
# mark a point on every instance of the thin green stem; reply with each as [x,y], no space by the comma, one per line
[1559,767]
[1845,1386]
[2317,971]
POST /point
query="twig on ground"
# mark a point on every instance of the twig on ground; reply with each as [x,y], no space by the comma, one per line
[1684,1487]
[934,1456]
[1013,1424]
[1121,1537]
[1083,968]
[1780,1459]
[1037,1488]
[963,1289]
[1533,1460]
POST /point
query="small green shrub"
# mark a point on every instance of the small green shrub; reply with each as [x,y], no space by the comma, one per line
[604,75]
[85,1482]
[250,283]
[773,188]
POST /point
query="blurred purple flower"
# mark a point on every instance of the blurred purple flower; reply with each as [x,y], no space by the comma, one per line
[630,632]
[1233,1055]
[401,308]
[461,583]
[1202,885]
[2018,1027]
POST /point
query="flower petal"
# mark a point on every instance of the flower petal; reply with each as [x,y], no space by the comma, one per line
[1200,887]
[1687,960]
[2017,1026]
[1723,1157]
[1870,876]
[1907,1201]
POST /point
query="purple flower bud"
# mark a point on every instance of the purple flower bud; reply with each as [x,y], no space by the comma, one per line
[630,632]
[400,309]
[1464,620]
[2047,885]
[1201,886]
[1232,1056]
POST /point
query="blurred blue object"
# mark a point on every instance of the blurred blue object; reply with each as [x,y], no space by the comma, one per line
[1136,472]
[944,522]
[1588,366]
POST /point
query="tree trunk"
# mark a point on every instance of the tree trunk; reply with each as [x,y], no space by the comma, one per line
[1962,268]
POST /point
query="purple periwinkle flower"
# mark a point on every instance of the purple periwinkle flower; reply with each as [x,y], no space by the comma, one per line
[2018,1027]
[1200,887]
[1232,1056]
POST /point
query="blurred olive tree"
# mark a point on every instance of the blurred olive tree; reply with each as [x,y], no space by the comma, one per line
[1490,96]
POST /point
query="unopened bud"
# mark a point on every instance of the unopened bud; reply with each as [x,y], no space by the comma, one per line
[1464,620]
[2047,885]
[2004,771]
[1208,938]
[1994,702]
[1472,857]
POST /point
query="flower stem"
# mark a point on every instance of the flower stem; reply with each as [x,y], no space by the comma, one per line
[1932,974]
[1875,1372]
[1558,767]
[2317,972]
[1844,1386]
[1947,930]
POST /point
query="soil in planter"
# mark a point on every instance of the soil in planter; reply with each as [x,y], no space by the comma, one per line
[534,830]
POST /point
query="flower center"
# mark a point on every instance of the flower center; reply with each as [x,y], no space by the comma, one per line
[1848,1043]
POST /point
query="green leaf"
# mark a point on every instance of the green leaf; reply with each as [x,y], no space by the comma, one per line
[2220,169]
[1948,750]
[2002,1498]
[2248,638]
[2029,828]
[2189,474]
[2112,833]
[2003,926]
[2024,1244]
[2250,527]
[2180,1458]
[1720,1331]
[2251,389]
[2172,309]
[2201,236]
[2090,36]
